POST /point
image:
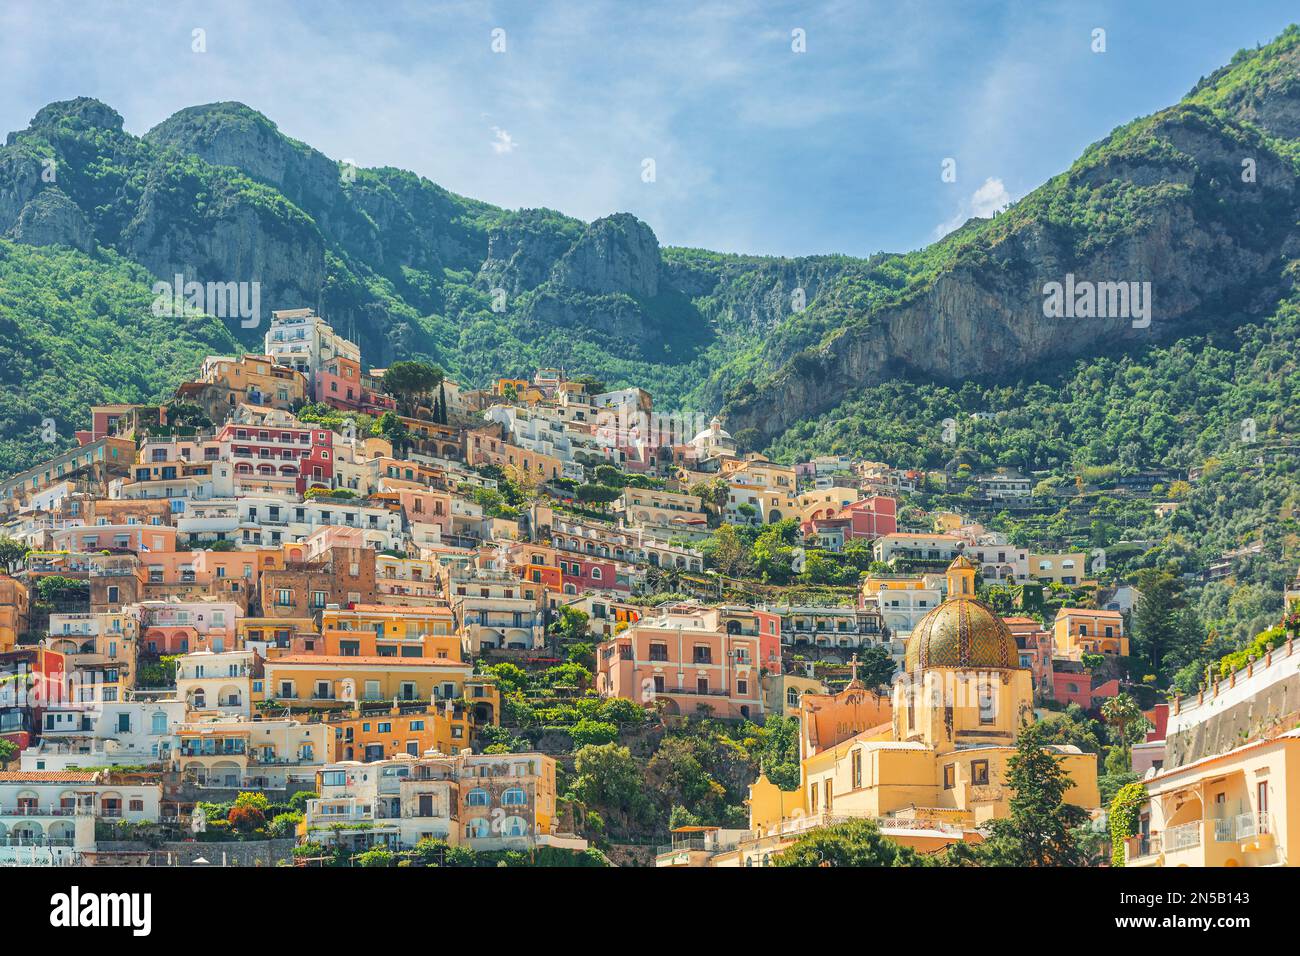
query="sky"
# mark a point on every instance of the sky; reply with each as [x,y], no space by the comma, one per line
[753,127]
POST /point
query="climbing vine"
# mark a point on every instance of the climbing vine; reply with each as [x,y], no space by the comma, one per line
[1123,818]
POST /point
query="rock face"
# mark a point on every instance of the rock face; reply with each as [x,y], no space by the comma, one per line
[1205,241]
[52,219]
[218,193]
[618,254]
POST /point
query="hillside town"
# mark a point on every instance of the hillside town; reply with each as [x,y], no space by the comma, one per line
[315,613]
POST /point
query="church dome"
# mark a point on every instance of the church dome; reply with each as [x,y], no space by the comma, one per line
[713,433]
[963,631]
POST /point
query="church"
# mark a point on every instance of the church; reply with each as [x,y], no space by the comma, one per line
[934,770]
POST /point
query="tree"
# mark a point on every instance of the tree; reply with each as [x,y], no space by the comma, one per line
[598,494]
[246,819]
[393,430]
[726,551]
[253,798]
[1121,713]
[571,624]
[779,751]
[1157,617]
[8,753]
[606,777]
[875,667]
[376,857]
[12,553]
[406,381]
[853,843]
[1037,830]
[712,491]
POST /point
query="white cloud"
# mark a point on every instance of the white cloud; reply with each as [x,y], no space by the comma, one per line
[503,142]
[991,197]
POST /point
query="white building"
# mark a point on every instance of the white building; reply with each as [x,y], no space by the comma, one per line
[302,340]
[118,733]
[47,818]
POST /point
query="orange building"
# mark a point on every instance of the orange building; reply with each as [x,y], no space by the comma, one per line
[445,727]
[13,611]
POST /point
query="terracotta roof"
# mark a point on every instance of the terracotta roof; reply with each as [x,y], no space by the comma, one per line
[50,776]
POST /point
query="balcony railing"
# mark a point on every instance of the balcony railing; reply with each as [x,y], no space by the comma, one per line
[1243,826]
[1182,837]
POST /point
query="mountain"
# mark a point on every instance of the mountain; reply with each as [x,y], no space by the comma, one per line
[408,269]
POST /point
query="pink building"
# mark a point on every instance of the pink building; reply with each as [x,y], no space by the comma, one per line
[686,659]
[180,627]
[1034,642]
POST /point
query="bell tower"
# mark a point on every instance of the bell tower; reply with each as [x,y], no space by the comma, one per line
[961,577]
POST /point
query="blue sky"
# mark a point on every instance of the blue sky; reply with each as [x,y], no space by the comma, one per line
[756,148]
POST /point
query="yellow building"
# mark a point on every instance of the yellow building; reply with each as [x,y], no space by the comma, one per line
[1232,809]
[1083,630]
[327,682]
[936,773]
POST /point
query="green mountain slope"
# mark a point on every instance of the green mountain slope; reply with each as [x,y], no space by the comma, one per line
[77,330]
[408,269]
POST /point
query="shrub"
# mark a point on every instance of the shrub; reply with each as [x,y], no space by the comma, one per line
[246,819]
[283,825]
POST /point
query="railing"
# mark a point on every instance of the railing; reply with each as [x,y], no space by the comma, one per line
[1182,837]
[1141,846]
[1243,826]
[46,811]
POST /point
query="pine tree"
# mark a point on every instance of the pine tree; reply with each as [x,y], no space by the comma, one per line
[1037,831]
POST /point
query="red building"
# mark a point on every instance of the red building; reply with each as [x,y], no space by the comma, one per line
[30,680]
[1073,685]
[583,574]
[871,517]
[304,454]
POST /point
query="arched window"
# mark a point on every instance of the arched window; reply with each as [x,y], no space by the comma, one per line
[514,827]
[514,797]
[478,797]
[477,827]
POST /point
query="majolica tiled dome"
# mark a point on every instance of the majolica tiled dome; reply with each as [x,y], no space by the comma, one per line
[961,632]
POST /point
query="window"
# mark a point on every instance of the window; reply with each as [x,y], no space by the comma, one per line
[478,797]
[158,724]
[949,776]
[701,685]
[979,773]
[988,703]
[514,797]
[857,769]
[658,652]
[334,778]
[136,805]
[123,723]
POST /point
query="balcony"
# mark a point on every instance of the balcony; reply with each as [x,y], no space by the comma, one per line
[1243,826]
[1183,837]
